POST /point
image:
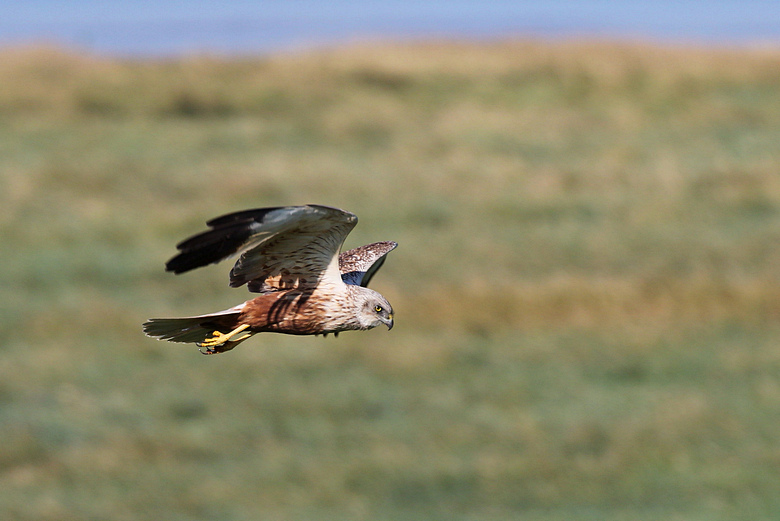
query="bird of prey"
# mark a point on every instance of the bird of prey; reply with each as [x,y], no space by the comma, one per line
[290,256]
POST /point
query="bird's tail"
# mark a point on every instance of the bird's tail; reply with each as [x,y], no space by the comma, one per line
[192,329]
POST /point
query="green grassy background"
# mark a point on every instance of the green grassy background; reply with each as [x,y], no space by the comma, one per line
[587,287]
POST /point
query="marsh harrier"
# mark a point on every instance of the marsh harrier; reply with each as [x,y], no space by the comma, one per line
[290,256]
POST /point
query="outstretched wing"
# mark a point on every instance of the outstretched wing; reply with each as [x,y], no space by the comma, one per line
[279,248]
[359,265]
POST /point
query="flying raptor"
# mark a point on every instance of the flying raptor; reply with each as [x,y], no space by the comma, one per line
[290,256]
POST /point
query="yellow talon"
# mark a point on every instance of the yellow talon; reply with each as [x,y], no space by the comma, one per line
[218,338]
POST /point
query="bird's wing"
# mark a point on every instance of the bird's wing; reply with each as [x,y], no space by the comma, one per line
[359,265]
[279,248]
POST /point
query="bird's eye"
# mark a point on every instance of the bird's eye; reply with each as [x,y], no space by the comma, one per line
[378,309]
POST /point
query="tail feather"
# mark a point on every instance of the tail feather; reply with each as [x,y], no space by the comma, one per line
[192,329]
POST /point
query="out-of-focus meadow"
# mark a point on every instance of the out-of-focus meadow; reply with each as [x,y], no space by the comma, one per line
[587,287]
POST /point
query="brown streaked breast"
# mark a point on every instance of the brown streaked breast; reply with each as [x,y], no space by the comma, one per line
[293,312]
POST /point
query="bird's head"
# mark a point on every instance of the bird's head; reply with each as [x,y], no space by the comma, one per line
[374,310]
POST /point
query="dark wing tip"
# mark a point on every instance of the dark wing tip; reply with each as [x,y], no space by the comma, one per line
[210,246]
[226,237]
[255,214]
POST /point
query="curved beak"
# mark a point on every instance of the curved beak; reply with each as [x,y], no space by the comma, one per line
[389,322]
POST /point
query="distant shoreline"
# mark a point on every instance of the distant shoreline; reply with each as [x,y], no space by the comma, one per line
[52,46]
[166,29]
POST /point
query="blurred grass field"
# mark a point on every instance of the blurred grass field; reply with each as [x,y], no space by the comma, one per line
[587,287]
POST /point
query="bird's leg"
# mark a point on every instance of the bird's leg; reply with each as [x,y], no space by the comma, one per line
[219,340]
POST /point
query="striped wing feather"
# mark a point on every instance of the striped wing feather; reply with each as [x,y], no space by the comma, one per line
[358,266]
